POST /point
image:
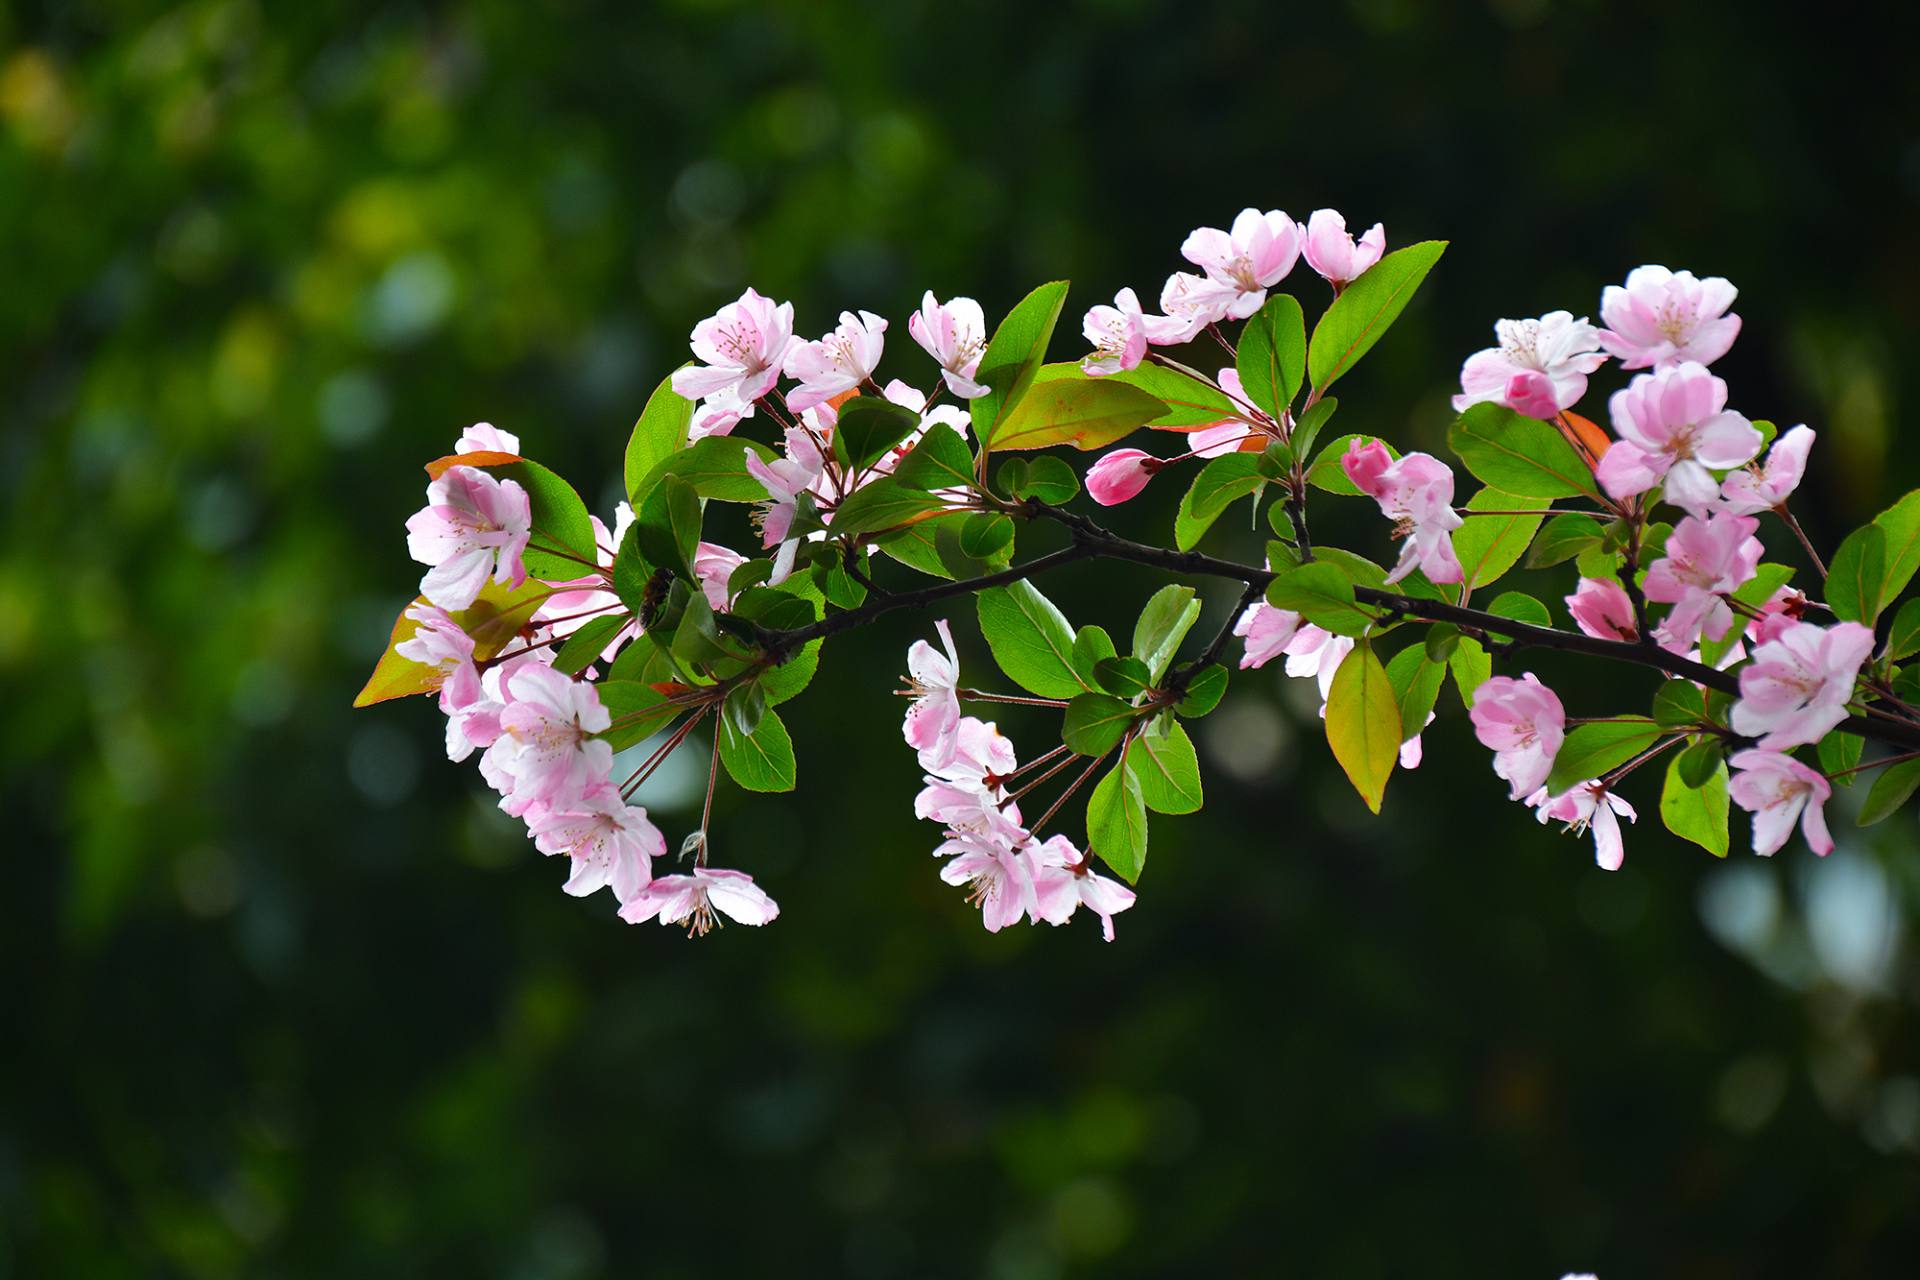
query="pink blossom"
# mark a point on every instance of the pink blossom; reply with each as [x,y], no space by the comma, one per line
[1417,491]
[1797,687]
[955,334]
[1663,318]
[1316,654]
[438,642]
[743,346]
[1118,334]
[713,565]
[1776,789]
[1064,880]
[1120,474]
[965,791]
[1523,723]
[997,873]
[838,362]
[473,525]
[1191,303]
[1674,426]
[484,437]
[718,415]
[1227,435]
[933,720]
[1781,610]
[565,612]
[610,842]
[1331,251]
[1752,490]
[1252,257]
[548,742]
[1267,630]
[1591,805]
[1704,561]
[1602,609]
[693,900]
[785,479]
[1539,368]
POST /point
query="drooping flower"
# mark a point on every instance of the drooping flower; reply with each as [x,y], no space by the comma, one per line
[1120,474]
[996,871]
[548,743]
[1064,880]
[713,565]
[610,842]
[955,335]
[838,362]
[785,479]
[718,415]
[1674,427]
[1267,631]
[1591,805]
[1750,490]
[966,791]
[473,526]
[1315,654]
[439,642]
[1331,251]
[484,437]
[1417,491]
[1252,257]
[1602,609]
[1704,561]
[694,899]
[1191,303]
[1663,318]
[1523,723]
[933,719]
[1118,334]
[743,347]
[1796,688]
[1539,368]
[1777,789]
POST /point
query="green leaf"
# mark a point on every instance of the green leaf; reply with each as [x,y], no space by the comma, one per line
[1085,412]
[562,545]
[668,525]
[1272,354]
[1327,473]
[941,460]
[1890,790]
[716,467]
[1858,571]
[743,707]
[1696,812]
[867,427]
[1592,749]
[1050,480]
[1363,723]
[1839,753]
[1123,677]
[1902,524]
[1681,704]
[1167,771]
[1562,538]
[1095,723]
[1416,681]
[1521,608]
[1163,624]
[1091,647]
[1698,762]
[1189,402]
[1013,357]
[1323,595]
[762,760]
[1117,823]
[1204,691]
[1472,667]
[1310,423]
[585,644]
[1222,482]
[1031,640]
[1903,638]
[986,534]
[1488,546]
[661,430]
[1518,455]
[882,504]
[1440,641]
[493,621]
[1365,308]
[637,712]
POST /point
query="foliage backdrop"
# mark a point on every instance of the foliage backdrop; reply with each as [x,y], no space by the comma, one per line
[288,998]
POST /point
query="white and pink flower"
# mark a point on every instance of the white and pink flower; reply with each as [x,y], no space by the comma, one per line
[1705,560]
[743,347]
[1752,490]
[1250,258]
[1415,490]
[1539,368]
[1778,790]
[1796,688]
[954,333]
[1663,318]
[933,718]
[1523,723]
[1267,631]
[1332,251]
[1675,428]
[839,362]
[610,843]
[473,527]
[701,900]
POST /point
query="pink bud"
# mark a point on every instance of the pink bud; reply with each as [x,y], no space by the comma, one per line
[1532,393]
[1602,610]
[1365,464]
[1120,475]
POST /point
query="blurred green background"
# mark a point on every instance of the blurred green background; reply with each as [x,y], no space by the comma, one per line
[286,996]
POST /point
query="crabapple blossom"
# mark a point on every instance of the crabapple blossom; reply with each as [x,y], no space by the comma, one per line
[1539,368]
[1229,434]
[1064,880]
[1315,654]
[548,743]
[1191,303]
[1118,334]
[997,874]
[1250,258]
[1416,490]
[1592,806]
[785,479]
[838,362]
[438,642]
[718,415]
[1330,249]
[1663,318]
[1781,610]
[933,720]
[713,565]
[1602,609]
[1267,631]
[694,899]
[1523,723]
[1704,561]
[610,842]
[484,437]
[964,791]
[1120,474]
[1674,427]
[1751,490]
[1777,789]
[474,526]
[1797,686]
[954,334]
[742,347]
